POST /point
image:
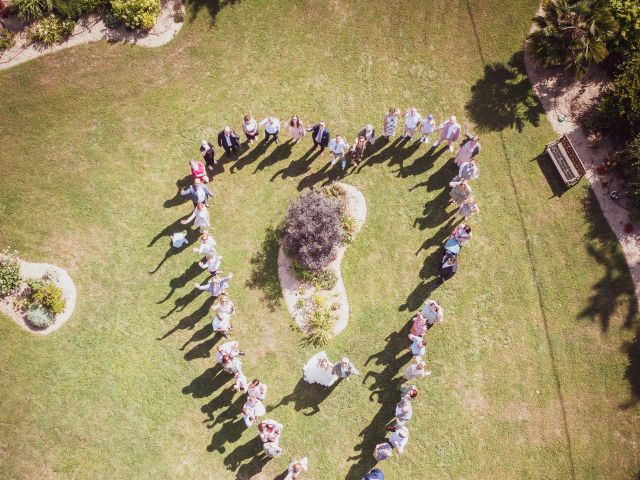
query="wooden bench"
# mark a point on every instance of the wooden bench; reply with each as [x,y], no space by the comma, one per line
[566,160]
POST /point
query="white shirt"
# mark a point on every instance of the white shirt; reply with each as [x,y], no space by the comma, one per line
[338,148]
[398,442]
[209,246]
[412,121]
[271,127]
[416,349]
[228,139]
[250,127]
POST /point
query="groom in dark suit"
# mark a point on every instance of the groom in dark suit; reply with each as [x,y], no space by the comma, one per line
[320,136]
[230,141]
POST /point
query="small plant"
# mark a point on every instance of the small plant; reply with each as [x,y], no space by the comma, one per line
[178,16]
[51,297]
[318,300]
[300,303]
[334,190]
[321,324]
[33,9]
[50,30]
[321,279]
[349,225]
[10,278]
[111,21]
[7,39]
[136,14]
[39,317]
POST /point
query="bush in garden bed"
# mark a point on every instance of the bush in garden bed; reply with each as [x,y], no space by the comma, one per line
[50,296]
[39,317]
[10,279]
[50,30]
[136,14]
[7,39]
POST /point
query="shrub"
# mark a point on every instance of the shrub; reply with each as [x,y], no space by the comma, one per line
[627,14]
[321,279]
[35,285]
[111,21]
[51,297]
[572,34]
[313,230]
[349,226]
[629,160]
[7,39]
[39,317]
[50,30]
[178,16]
[10,279]
[33,9]
[136,14]
[321,324]
[73,9]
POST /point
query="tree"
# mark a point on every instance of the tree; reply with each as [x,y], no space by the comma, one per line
[572,34]
[313,229]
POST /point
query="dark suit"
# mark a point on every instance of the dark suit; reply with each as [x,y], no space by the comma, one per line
[235,142]
[324,139]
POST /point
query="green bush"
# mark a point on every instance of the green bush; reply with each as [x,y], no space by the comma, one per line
[321,279]
[7,39]
[629,159]
[321,324]
[136,14]
[33,9]
[39,317]
[619,111]
[73,9]
[627,14]
[349,225]
[50,30]
[51,297]
[178,16]
[10,279]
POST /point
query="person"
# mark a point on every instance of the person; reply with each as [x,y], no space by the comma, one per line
[271,128]
[399,439]
[212,263]
[469,149]
[257,389]
[403,412]
[357,151]
[382,451]
[467,171]
[240,382]
[270,430]
[208,153]
[207,244]
[224,310]
[200,216]
[338,147]
[462,234]
[468,208]
[369,133]
[428,127]
[198,171]
[179,239]
[417,369]
[418,346]
[320,136]
[296,467]
[197,193]
[271,449]
[231,364]
[411,121]
[390,123]
[449,131]
[319,370]
[231,349]
[250,128]
[229,140]
[408,391]
[374,474]
[296,128]
[460,192]
[432,313]
[252,410]
[419,325]
[448,267]
[216,286]
[344,368]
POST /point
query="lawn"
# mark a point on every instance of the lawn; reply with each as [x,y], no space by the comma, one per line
[536,372]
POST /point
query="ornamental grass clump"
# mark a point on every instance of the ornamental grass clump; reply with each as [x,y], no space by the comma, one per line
[313,230]
[50,30]
[38,316]
[10,278]
[136,14]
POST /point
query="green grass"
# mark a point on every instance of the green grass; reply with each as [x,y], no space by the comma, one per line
[536,370]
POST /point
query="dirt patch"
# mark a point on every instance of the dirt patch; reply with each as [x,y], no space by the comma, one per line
[92,28]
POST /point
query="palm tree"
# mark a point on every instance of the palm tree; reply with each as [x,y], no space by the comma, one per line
[572,34]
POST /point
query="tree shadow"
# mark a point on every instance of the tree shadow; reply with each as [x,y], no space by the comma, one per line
[207,383]
[548,169]
[385,388]
[281,152]
[264,269]
[503,97]
[306,396]
[179,282]
[613,291]
[213,7]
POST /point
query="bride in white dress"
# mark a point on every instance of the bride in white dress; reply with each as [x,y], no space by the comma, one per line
[319,369]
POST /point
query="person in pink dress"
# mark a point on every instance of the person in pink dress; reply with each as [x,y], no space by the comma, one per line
[198,171]
[296,128]
[449,132]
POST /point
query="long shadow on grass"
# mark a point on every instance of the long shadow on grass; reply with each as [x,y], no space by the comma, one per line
[613,292]
[439,179]
[306,397]
[189,322]
[224,399]
[250,155]
[178,199]
[404,150]
[381,152]
[281,152]
[385,388]
[264,269]
[297,167]
[503,97]
[179,282]
[551,174]
[207,383]
[201,350]
[213,7]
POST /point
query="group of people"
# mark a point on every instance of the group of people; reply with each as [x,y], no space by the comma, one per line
[319,369]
